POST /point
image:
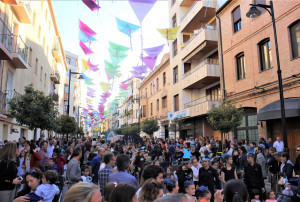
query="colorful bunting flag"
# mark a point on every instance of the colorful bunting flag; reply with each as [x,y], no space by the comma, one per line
[105,86]
[92,4]
[150,62]
[85,29]
[169,34]
[85,49]
[154,51]
[141,8]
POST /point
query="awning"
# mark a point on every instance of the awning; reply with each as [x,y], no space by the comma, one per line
[272,111]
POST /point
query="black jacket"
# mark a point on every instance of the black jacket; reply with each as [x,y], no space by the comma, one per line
[288,169]
[297,165]
[208,177]
[272,164]
[183,175]
[253,177]
[178,155]
[242,161]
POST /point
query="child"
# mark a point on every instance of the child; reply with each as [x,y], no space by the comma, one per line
[287,191]
[271,196]
[108,189]
[256,196]
[85,171]
[171,175]
[59,160]
[190,190]
[203,194]
[52,165]
[47,190]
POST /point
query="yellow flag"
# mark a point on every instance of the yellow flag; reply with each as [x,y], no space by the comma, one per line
[105,86]
[85,65]
[169,34]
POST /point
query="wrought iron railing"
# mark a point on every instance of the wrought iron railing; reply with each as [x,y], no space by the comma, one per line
[5,97]
[21,48]
[6,36]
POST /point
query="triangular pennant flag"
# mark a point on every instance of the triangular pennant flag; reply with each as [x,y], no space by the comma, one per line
[141,8]
[84,38]
[92,4]
[124,86]
[150,62]
[86,78]
[88,82]
[116,56]
[154,51]
[115,46]
[140,69]
[88,31]
[169,34]
[105,86]
[85,66]
[126,27]
[92,67]
[85,49]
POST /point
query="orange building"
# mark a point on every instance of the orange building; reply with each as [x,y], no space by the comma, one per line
[249,69]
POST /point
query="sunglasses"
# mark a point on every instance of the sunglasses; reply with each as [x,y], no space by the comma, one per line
[30,172]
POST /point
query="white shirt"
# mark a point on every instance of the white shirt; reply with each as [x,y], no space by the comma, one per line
[50,150]
[47,191]
[279,146]
[195,173]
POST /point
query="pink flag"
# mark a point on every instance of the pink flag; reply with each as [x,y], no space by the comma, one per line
[92,67]
[84,28]
[124,86]
[85,49]
[92,4]
[85,110]
[150,62]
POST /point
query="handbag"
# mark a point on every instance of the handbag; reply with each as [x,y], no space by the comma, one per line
[281,181]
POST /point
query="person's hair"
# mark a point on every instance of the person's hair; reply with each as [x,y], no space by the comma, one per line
[235,191]
[51,176]
[123,193]
[122,162]
[187,184]
[53,159]
[150,191]
[259,149]
[285,154]
[84,167]
[170,184]
[42,143]
[214,162]
[8,152]
[107,158]
[88,147]
[173,198]
[201,192]
[273,149]
[57,150]
[81,192]
[151,171]
[268,193]
[108,189]
[76,151]
[243,149]
[35,173]
[253,143]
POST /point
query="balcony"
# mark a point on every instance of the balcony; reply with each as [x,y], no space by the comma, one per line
[200,44]
[130,107]
[204,74]
[5,97]
[201,106]
[200,11]
[55,78]
[22,11]
[20,54]
[6,42]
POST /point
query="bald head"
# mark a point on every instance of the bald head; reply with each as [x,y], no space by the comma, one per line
[174,198]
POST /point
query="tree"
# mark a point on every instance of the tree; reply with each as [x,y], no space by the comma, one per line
[149,126]
[225,117]
[176,125]
[79,131]
[34,109]
[66,125]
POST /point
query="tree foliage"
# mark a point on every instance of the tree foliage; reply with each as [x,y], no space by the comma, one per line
[134,128]
[66,124]
[80,131]
[34,109]
[176,125]
[149,126]
[225,117]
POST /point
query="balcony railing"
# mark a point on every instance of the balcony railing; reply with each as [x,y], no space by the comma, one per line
[21,48]
[196,32]
[5,97]
[206,61]
[188,11]
[6,37]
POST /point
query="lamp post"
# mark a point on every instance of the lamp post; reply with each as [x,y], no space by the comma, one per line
[253,13]
[80,77]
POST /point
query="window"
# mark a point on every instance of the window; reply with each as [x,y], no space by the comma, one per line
[68,60]
[45,81]
[174,23]
[164,102]
[41,75]
[157,105]
[187,67]
[39,32]
[237,21]
[36,65]
[151,88]
[174,45]
[157,84]
[265,54]
[248,129]
[144,110]
[214,93]
[151,109]
[146,92]
[173,2]
[175,75]
[240,64]
[176,103]
[295,39]
[164,78]
[30,56]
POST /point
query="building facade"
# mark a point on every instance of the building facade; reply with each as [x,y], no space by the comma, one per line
[194,65]
[31,52]
[250,68]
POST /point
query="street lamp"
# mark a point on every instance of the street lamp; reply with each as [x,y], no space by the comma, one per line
[253,13]
[80,77]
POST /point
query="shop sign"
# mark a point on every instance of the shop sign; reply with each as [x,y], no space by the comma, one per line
[179,114]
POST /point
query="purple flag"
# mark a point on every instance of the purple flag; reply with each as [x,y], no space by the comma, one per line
[150,62]
[92,4]
[154,51]
[141,7]
[140,69]
[139,76]
[89,89]
[85,49]
[88,31]
[92,67]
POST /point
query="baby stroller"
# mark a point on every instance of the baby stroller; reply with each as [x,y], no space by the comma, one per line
[60,184]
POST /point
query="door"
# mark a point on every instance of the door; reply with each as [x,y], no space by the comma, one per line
[9,87]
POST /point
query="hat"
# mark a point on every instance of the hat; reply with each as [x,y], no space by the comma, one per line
[251,155]
[205,159]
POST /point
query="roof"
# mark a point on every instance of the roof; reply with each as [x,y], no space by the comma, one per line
[223,6]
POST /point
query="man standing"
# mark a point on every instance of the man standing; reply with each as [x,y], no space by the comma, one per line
[278,145]
[95,163]
[269,142]
[260,159]
[297,163]
[253,178]
[45,157]
[50,147]
[122,176]
[73,167]
[110,161]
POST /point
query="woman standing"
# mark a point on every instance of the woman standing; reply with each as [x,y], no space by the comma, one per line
[228,172]
[31,158]
[8,174]
[272,165]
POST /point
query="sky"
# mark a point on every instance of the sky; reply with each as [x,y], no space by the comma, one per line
[103,22]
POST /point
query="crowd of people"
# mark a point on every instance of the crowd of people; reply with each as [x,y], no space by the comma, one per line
[195,169]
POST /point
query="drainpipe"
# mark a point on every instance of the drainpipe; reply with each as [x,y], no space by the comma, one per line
[222,59]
